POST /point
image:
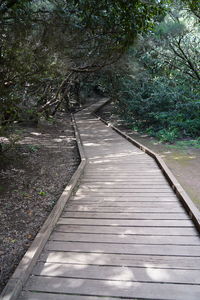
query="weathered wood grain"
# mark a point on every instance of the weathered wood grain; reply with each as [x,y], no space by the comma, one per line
[139,230]
[179,250]
[109,259]
[137,208]
[117,222]
[117,273]
[115,288]
[125,238]
[127,215]
[125,198]
[51,296]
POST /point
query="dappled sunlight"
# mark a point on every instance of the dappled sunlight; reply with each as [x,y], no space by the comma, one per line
[57,140]
[3,139]
[184,157]
[36,133]
[157,274]
[124,274]
[117,155]
[91,144]
[121,284]
[157,143]
[45,140]
[114,157]
[76,258]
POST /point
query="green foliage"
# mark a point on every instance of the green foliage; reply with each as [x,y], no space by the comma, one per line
[184,144]
[193,6]
[42,193]
[55,53]
[48,49]
[160,93]
[33,148]
[163,107]
[10,143]
[167,135]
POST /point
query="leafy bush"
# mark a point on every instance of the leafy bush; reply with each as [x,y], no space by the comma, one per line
[162,107]
[169,135]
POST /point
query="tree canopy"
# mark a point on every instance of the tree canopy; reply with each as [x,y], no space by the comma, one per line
[53,51]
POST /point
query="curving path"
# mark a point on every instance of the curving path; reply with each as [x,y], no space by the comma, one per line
[122,235]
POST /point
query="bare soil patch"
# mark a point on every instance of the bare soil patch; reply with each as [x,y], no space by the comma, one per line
[183,161]
[33,175]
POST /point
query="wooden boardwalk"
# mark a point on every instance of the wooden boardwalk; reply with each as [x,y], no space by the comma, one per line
[122,235]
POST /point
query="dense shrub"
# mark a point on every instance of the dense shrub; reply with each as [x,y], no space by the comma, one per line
[164,108]
[160,93]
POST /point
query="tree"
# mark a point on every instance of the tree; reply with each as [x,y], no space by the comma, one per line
[160,92]
[48,48]
[193,6]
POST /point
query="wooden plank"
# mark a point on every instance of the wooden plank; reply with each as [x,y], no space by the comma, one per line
[126,159]
[131,164]
[124,249]
[118,204]
[144,172]
[107,259]
[114,288]
[137,159]
[134,163]
[129,157]
[126,209]
[175,231]
[127,186]
[122,177]
[129,192]
[146,274]
[51,296]
[121,169]
[126,199]
[122,174]
[128,216]
[116,222]
[123,181]
[134,192]
[98,165]
[117,172]
[143,202]
[149,171]
[125,239]
[109,161]
[126,183]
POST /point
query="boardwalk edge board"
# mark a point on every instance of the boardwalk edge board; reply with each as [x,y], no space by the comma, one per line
[16,282]
[175,185]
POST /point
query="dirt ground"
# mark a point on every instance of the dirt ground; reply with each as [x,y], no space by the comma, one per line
[32,177]
[183,161]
